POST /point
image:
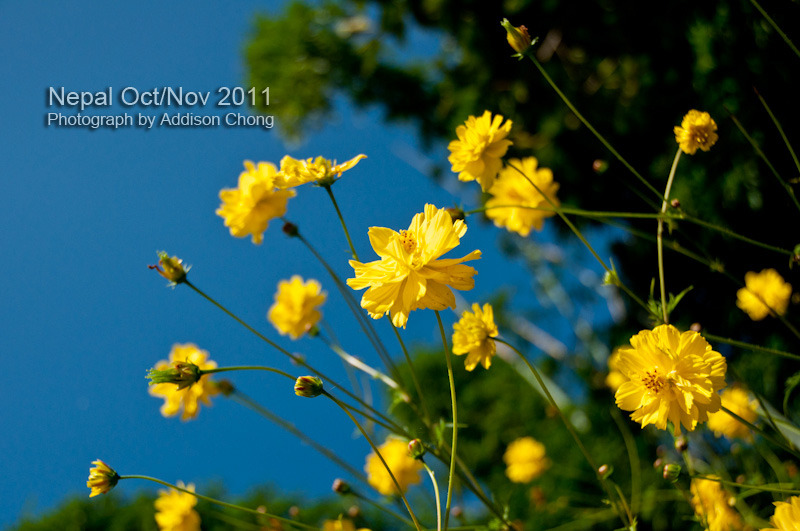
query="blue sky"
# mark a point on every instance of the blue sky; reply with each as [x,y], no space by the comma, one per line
[82,316]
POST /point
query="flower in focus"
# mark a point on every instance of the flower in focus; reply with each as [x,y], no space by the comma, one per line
[409,274]
[480,146]
[102,478]
[615,378]
[672,376]
[787,515]
[471,336]
[172,268]
[514,188]
[766,293]
[175,510]
[295,310]
[185,401]
[710,503]
[308,386]
[517,36]
[249,208]
[697,130]
[738,401]
[321,171]
[525,460]
[405,468]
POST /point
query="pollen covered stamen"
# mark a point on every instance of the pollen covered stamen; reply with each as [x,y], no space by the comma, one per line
[652,381]
[408,241]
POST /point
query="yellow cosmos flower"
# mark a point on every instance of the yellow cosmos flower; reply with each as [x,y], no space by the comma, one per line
[764,291]
[738,401]
[512,188]
[185,401]
[342,524]
[711,505]
[102,478]
[322,171]
[786,517]
[697,130]
[615,378]
[175,510]
[672,376]
[471,336]
[409,274]
[248,209]
[480,146]
[525,460]
[405,468]
[295,310]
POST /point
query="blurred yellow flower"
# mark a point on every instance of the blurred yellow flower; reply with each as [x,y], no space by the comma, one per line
[471,336]
[341,524]
[102,478]
[711,505]
[672,377]
[321,171]
[767,287]
[248,209]
[525,460]
[175,510]
[738,401]
[405,468]
[295,310]
[615,378]
[185,401]
[697,130]
[513,188]
[480,146]
[786,517]
[409,275]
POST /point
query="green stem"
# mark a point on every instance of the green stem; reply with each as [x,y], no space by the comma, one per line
[750,346]
[436,495]
[248,368]
[760,431]
[426,414]
[454,444]
[222,503]
[732,234]
[378,453]
[660,238]
[776,28]
[633,459]
[383,508]
[780,130]
[589,126]
[341,220]
[363,367]
[763,488]
[568,425]
[593,214]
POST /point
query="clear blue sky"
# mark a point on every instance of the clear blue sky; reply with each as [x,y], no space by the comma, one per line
[82,316]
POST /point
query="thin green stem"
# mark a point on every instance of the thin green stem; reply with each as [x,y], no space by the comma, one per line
[248,368]
[222,503]
[633,459]
[436,495]
[750,346]
[569,427]
[383,508]
[426,414]
[589,126]
[732,234]
[361,366]
[454,444]
[780,130]
[341,220]
[763,488]
[592,214]
[776,28]
[378,453]
[760,431]
[660,238]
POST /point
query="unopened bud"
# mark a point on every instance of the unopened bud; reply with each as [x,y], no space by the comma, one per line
[658,463]
[681,444]
[340,486]
[517,36]
[605,471]
[416,449]
[182,373]
[354,511]
[457,511]
[599,166]
[675,203]
[308,386]
[696,327]
[290,229]
[671,472]
[171,268]
[294,511]
[455,213]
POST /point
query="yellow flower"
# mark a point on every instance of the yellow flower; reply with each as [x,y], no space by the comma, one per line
[517,37]
[786,517]
[341,524]
[409,274]
[102,478]
[295,310]
[471,336]
[738,401]
[321,171]
[405,468]
[762,290]
[672,376]
[525,460]
[615,378]
[697,130]
[175,510]
[172,268]
[185,401]
[513,188]
[710,503]
[249,208]
[480,146]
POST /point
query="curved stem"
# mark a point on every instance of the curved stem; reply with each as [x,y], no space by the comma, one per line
[360,365]
[222,503]
[750,346]
[454,444]
[341,220]
[383,508]
[660,238]
[436,495]
[248,368]
[417,386]
[764,488]
[776,28]
[378,453]
[760,431]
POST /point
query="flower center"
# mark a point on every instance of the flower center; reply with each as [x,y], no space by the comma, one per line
[408,241]
[655,383]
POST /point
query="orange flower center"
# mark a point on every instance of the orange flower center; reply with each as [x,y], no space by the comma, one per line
[408,241]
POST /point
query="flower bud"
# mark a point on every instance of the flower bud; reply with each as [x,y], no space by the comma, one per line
[102,478]
[182,373]
[599,166]
[681,444]
[517,37]
[671,472]
[605,471]
[290,229]
[172,268]
[340,486]
[416,449]
[455,213]
[675,203]
[308,386]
